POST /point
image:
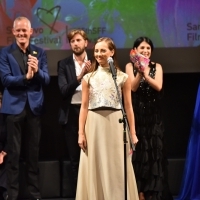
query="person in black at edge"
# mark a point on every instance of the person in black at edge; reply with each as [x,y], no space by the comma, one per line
[3,150]
[149,159]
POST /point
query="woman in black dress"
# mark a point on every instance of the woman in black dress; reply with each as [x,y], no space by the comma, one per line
[149,159]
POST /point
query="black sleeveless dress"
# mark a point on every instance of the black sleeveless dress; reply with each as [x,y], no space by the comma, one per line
[149,159]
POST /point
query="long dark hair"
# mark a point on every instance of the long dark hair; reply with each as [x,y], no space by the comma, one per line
[139,40]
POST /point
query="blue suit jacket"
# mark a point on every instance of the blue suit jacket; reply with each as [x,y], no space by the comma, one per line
[17,91]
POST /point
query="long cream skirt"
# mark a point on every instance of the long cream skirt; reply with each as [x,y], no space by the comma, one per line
[101,168]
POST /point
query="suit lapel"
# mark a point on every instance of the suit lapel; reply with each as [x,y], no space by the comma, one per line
[18,57]
[72,68]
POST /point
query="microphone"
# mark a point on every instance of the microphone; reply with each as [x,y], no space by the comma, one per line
[112,67]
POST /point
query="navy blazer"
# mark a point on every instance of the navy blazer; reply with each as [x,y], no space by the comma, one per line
[17,91]
[67,82]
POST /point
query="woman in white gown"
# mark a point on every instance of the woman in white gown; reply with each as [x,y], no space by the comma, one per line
[101,168]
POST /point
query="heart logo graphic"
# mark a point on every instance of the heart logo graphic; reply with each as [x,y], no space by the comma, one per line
[49,17]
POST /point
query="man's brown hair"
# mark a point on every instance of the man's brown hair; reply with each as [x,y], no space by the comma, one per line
[73,32]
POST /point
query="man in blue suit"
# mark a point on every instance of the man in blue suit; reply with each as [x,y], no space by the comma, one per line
[23,70]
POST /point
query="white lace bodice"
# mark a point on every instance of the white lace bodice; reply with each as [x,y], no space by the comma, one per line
[102,91]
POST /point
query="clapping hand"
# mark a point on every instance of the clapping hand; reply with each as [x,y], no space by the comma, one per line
[85,70]
[33,63]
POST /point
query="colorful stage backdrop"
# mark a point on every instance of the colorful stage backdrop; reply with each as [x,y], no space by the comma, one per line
[169,23]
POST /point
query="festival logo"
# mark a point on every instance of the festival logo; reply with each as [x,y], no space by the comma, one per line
[48,34]
[167,23]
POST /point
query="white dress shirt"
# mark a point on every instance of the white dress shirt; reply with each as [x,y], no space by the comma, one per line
[76,98]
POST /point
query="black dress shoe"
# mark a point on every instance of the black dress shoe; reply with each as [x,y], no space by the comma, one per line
[35,199]
[5,195]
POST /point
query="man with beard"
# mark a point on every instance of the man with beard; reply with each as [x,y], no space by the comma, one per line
[70,73]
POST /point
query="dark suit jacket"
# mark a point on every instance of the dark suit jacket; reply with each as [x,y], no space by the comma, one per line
[16,89]
[67,82]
